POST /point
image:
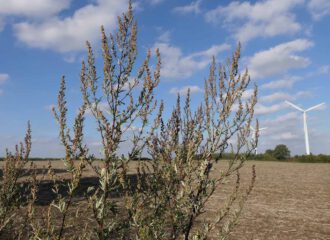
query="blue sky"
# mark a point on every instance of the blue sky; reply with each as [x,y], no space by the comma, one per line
[284,45]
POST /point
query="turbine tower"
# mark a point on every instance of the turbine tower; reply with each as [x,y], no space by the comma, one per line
[305,121]
[253,136]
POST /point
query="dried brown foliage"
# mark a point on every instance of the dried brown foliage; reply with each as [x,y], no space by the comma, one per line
[168,196]
[10,189]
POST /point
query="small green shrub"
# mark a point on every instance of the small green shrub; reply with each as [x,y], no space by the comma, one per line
[321,158]
[281,152]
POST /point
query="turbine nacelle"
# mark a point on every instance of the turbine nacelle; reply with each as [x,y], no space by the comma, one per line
[302,110]
[259,130]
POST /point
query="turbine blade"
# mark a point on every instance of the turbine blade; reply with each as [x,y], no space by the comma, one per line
[260,129]
[294,106]
[316,106]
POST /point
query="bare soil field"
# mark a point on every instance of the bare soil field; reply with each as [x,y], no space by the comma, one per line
[289,201]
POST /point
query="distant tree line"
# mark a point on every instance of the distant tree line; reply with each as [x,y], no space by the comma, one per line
[280,153]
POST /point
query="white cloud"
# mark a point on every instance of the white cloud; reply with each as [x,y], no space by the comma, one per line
[276,97]
[324,69]
[287,82]
[212,51]
[69,34]
[281,96]
[32,8]
[184,90]
[279,59]
[193,7]
[155,2]
[261,109]
[176,65]
[283,118]
[319,8]
[285,136]
[281,130]
[164,37]
[71,58]
[262,19]
[3,77]
[302,94]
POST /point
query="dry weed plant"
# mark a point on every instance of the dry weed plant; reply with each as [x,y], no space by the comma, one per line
[168,195]
[11,197]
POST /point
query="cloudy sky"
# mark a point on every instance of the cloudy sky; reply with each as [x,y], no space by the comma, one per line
[285,45]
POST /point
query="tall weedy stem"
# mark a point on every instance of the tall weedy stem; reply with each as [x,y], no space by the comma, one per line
[12,171]
[166,197]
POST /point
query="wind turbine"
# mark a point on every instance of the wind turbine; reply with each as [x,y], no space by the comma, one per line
[253,136]
[305,121]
